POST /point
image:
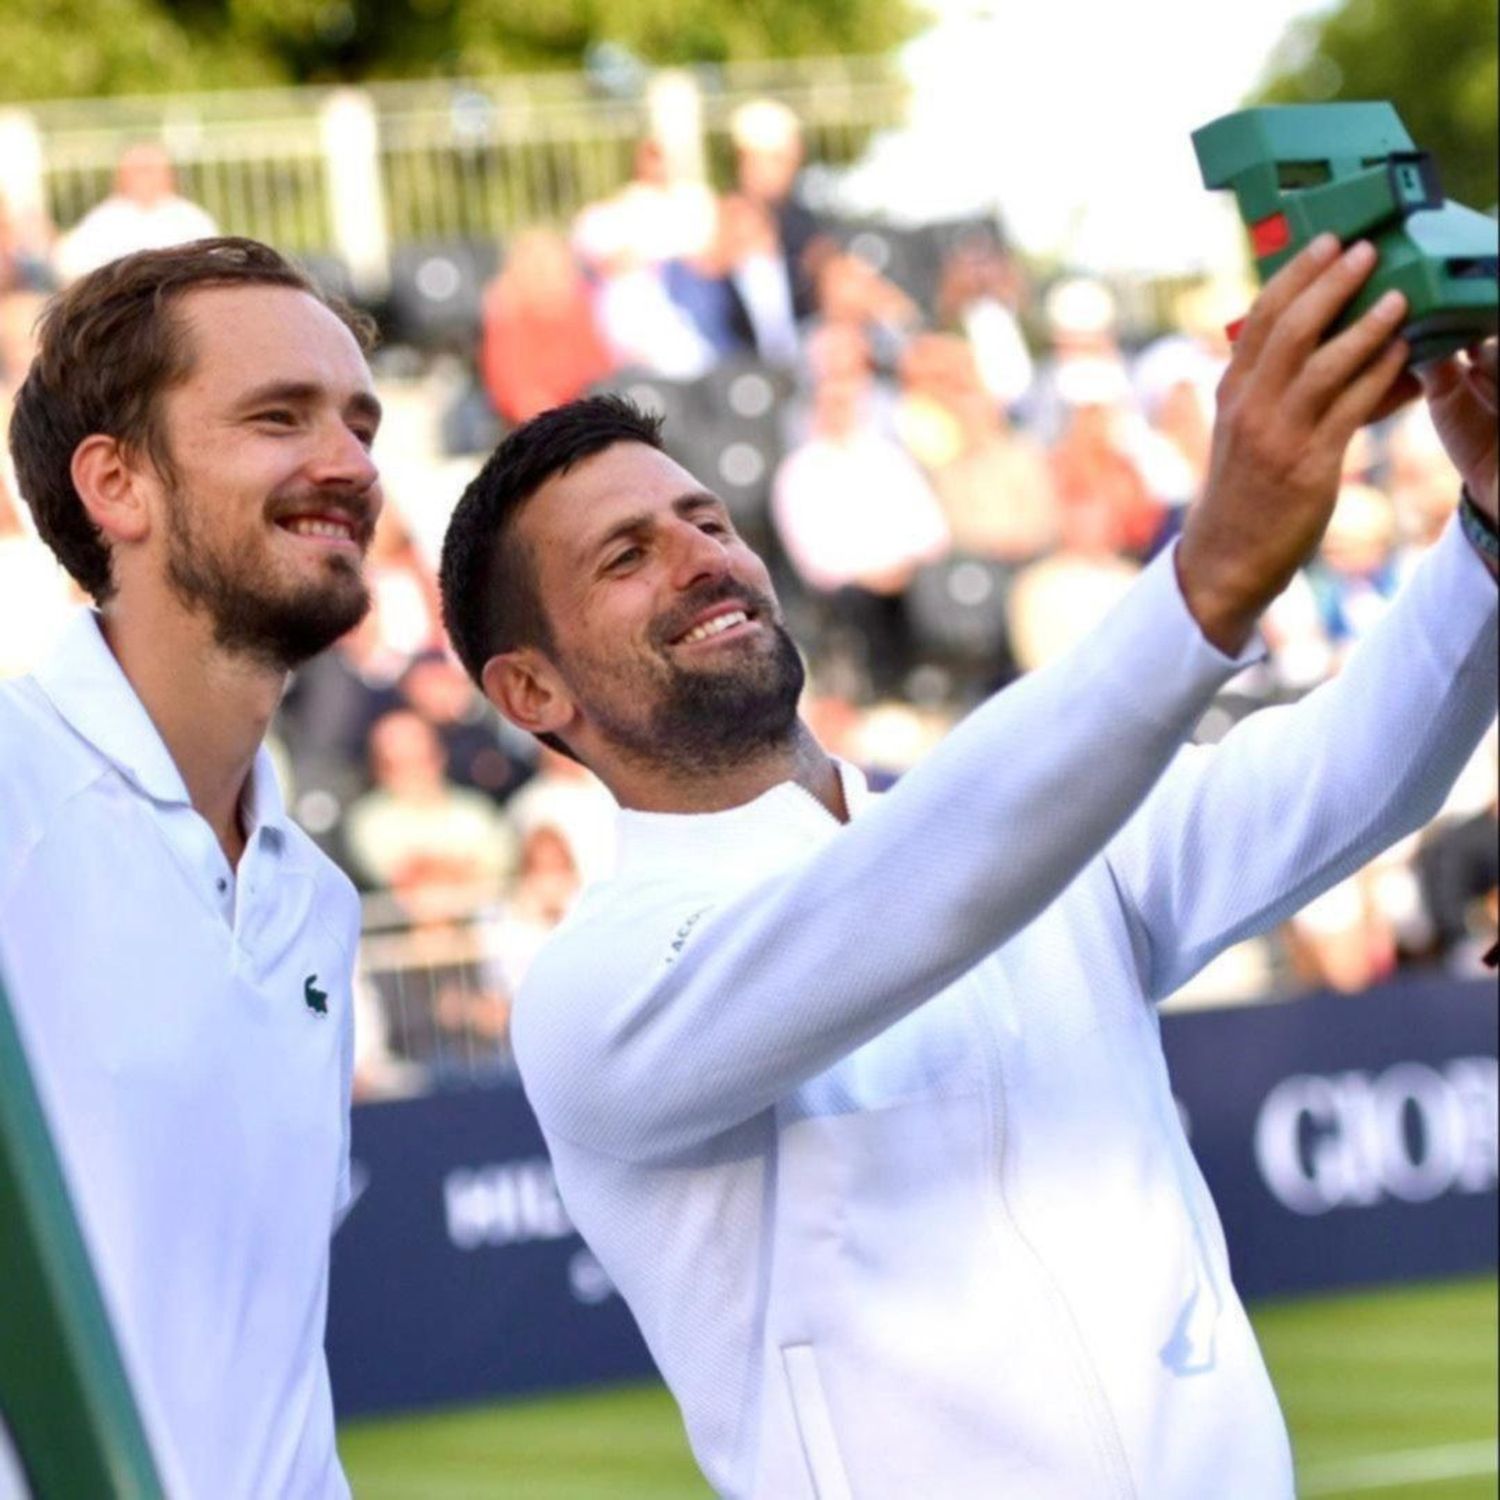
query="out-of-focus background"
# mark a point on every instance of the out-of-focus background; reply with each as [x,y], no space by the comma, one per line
[933,296]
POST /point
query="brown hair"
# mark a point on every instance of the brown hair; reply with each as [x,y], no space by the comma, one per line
[109,347]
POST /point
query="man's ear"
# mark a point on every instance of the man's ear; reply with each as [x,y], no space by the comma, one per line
[109,485]
[528,690]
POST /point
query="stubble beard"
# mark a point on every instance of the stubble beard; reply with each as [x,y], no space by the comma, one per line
[711,719]
[253,614]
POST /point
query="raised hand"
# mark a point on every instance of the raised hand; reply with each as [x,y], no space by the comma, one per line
[1288,407]
[1461,395]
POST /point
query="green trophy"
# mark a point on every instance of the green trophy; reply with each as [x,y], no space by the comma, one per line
[68,1419]
[1298,170]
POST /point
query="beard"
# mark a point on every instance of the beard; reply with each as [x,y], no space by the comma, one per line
[709,718]
[254,613]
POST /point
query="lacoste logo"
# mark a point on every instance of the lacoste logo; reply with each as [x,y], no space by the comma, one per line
[316,999]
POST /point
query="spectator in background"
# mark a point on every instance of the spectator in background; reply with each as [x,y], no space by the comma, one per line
[25,258]
[438,689]
[407,613]
[145,212]
[1081,320]
[416,833]
[930,371]
[1342,940]
[993,483]
[1091,462]
[1304,641]
[857,518]
[1354,575]
[546,885]
[1176,382]
[1458,865]
[1350,937]
[324,722]
[35,599]
[540,344]
[625,241]
[840,350]
[980,294]
[26,277]
[657,216]
[702,287]
[767,139]
[569,799]
[1420,486]
[736,292]
[851,293]
[1056,602]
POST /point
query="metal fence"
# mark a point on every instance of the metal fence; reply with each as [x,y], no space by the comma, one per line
[350,174]
[432,1007]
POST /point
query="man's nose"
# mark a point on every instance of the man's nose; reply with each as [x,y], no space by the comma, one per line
[343,459]
[696,555]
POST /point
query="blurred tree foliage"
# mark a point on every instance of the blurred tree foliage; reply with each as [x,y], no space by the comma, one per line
[1437,60]
[74,48]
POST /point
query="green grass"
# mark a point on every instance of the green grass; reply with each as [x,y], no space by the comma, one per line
[1374,1385]
[623,1444]
[1394,1372]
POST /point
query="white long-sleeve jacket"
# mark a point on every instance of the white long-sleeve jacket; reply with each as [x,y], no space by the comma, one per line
[870,1123]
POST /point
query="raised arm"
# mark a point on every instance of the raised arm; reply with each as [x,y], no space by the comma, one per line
[657,1024]
[639,1045]
[1237,837]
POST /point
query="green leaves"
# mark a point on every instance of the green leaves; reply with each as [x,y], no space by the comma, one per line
[1436,61]
[81,48]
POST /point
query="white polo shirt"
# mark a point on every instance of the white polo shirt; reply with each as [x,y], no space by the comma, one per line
[189,1028]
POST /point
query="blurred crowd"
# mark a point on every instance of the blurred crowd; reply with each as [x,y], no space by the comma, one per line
[953,468]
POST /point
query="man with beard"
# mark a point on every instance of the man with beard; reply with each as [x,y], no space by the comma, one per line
[194,442]
[861,1101]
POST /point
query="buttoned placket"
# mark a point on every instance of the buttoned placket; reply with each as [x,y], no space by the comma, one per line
[256,874]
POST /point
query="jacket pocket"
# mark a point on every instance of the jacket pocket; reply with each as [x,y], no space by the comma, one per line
[815,1430]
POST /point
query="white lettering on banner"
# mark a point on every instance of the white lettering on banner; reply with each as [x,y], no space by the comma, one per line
[1350,1140]
[508,1204]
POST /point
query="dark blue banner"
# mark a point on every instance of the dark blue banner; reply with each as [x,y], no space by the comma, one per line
[1346,1140]
[457,1273]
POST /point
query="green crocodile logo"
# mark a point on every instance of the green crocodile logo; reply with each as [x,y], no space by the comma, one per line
[316,999]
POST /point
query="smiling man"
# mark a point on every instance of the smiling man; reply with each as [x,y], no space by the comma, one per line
[194,443]
[860,1100]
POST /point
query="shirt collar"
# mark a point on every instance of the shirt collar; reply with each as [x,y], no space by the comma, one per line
[90,690]
[781,823]
[265,812]
[88,687]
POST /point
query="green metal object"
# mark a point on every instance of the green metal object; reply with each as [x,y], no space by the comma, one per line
[1301,169]
[64,1395]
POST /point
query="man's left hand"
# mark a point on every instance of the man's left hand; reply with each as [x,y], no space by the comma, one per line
[1461,395]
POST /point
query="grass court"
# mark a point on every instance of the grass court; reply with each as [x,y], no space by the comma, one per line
[1390,1394]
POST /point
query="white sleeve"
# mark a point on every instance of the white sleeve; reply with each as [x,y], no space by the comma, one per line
[637,1054]
[1239,836]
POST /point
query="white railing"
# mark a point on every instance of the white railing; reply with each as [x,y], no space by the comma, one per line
[351,173]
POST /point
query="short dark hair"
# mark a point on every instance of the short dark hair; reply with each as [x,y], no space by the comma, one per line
[109,346]
[491,601]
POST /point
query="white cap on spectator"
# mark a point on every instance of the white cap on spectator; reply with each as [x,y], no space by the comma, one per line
[764,125]
[1170,362]
[1090,380]
[1080,306]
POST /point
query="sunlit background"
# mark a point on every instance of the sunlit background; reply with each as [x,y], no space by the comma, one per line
[934,296]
